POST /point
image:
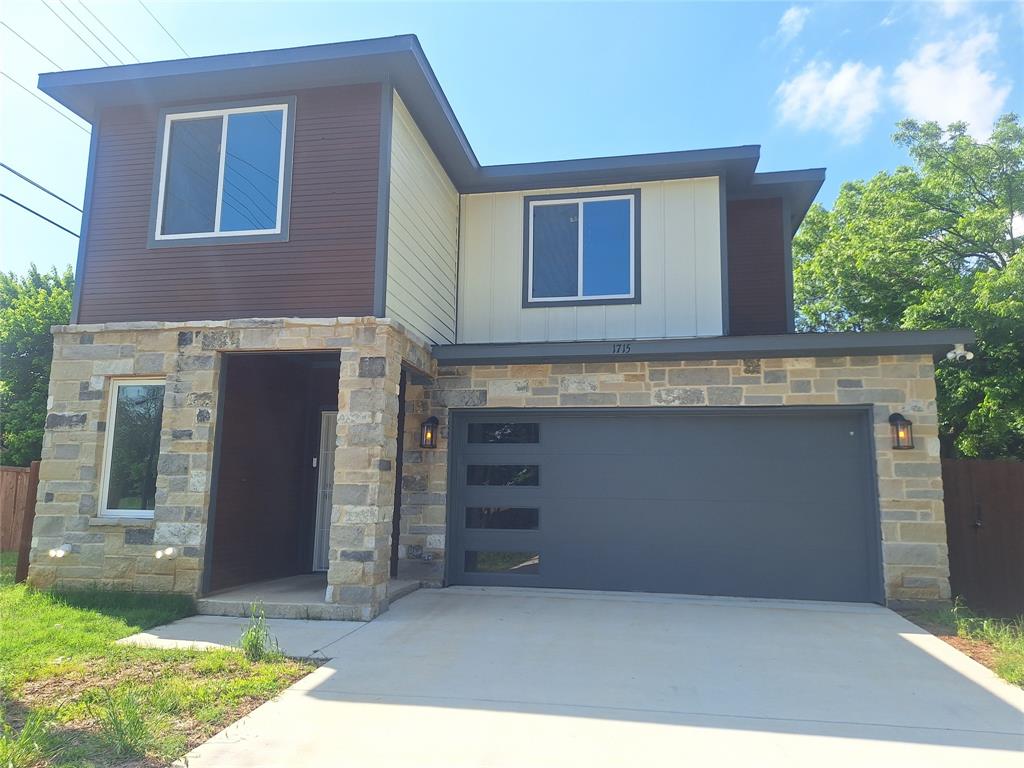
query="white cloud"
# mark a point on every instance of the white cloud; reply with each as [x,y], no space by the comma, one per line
[792,23]
[840,101]
[947,82]
[952,8]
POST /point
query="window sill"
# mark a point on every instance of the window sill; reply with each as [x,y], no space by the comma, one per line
[122,522]
[582,302]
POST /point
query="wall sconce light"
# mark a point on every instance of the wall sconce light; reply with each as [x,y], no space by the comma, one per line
[167,553]
[58,552]
[902,432]
[428,433]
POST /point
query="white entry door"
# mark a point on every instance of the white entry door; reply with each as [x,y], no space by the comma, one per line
[324,488]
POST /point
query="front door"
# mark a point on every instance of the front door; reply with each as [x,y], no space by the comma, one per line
[324,488]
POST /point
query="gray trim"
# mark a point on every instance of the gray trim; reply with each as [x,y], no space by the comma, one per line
[797,188]
[738,162]
[83,230]
[787,263]
[723,229]
[875,523]
[380,263]
[581,302]
[211,514]
[286,194]
[706,348]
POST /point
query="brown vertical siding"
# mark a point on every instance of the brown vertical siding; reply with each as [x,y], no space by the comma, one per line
[324,270]
[758,295]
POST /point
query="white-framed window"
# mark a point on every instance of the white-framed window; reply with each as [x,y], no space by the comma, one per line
[582,248]
[132,447]
[222,173]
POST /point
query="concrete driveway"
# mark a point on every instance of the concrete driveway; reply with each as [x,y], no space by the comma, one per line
[499,677]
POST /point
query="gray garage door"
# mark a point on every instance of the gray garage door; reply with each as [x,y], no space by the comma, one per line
[774,502]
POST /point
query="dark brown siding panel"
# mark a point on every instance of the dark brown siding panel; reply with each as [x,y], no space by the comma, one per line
[757,267]
[325,269]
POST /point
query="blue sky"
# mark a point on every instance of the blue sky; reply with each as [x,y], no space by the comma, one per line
[815,84]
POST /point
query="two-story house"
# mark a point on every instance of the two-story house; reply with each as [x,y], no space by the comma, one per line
[315,342]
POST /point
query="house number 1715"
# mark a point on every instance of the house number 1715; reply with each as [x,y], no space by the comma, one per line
[620,349]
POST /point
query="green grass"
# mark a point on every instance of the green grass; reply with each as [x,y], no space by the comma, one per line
[70,696]
[8,564]
[1005,636]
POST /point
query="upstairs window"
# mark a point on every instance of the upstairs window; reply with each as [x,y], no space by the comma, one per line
[222,173]
[582,249]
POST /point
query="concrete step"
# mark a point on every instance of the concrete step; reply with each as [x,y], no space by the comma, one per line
[228,604]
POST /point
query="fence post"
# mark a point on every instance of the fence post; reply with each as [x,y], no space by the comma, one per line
[27,518]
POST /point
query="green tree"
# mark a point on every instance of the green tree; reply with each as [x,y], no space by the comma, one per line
[935,245]
[29,305]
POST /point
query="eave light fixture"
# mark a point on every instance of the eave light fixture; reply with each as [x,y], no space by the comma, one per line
[428,433]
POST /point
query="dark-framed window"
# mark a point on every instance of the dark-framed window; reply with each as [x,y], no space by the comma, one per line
[223,174]
[582,248]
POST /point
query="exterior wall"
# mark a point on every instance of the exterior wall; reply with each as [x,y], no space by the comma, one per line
[680,270]
[909,482]
[325,269]
[119,553]
[423,234]
[760,272]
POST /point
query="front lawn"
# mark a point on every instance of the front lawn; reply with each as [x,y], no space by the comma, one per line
[996,643]
[70,696]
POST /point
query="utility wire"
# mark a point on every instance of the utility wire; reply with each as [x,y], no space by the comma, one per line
[26,42]
[88,29]
[37,213]
[45,103]
[180,48]
[37,185]
[109,32]
[75,33]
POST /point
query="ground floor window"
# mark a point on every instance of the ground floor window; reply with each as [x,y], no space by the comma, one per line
[132,447]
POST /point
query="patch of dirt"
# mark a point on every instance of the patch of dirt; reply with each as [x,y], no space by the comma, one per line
[980,651]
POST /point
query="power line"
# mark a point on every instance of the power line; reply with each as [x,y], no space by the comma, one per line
[88,29]
[26,42]
[119,40]
[37,185]
[37,213]
[75,33]
[163,27]
[45,103]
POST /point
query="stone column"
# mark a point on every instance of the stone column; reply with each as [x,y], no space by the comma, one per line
[364,472]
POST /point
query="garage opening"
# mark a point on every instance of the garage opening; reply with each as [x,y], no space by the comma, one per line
[750,502]
[274,474]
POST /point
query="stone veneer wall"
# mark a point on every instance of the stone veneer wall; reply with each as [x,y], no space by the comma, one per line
[119,553]
[909,482]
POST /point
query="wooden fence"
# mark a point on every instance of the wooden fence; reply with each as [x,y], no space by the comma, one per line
[985,528]
[18,487]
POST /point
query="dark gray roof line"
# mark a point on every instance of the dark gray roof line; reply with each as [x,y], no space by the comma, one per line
[930,342]
[400,62]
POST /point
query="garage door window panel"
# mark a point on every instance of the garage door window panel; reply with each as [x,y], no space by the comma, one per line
[503,475]
[508,563]
[503,518]
[502,433]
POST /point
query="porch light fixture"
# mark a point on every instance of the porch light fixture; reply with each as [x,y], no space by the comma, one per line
[428,433]
[165,553]
[902,430]
[58,552]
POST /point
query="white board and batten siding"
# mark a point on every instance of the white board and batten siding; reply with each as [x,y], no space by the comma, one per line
[423,235]
[680,270]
